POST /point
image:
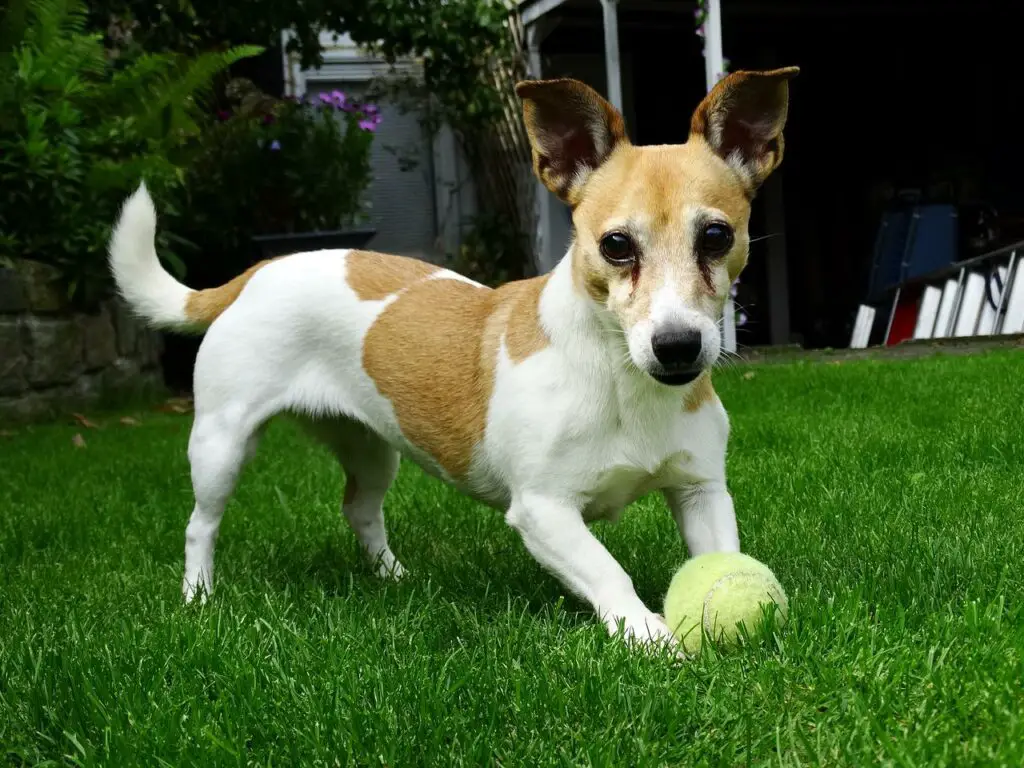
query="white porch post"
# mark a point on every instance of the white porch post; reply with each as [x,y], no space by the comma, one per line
[535,34]
[613,70]
[714,69]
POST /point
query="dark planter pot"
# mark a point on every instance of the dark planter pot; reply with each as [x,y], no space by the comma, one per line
[269,246]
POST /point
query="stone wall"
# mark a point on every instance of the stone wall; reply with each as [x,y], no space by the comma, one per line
[53,360]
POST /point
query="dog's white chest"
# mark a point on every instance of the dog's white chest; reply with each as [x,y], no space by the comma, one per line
[616,487]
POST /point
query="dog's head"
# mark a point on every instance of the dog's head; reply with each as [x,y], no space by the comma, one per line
[660,231]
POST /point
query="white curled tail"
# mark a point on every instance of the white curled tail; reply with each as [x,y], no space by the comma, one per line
[151,292]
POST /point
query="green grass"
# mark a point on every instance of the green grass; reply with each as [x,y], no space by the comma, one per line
[886,497]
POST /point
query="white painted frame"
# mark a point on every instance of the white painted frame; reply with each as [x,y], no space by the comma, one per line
[927,312]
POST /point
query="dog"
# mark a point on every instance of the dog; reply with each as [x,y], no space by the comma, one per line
[558,399]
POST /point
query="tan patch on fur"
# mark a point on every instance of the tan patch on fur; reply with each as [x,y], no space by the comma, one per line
[701,393]
[203,307]
[646,190]
[433,351]
[582,154]
[375,276]
[524,335]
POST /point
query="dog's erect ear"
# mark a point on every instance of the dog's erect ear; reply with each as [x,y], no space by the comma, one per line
[572,131]
[742,120]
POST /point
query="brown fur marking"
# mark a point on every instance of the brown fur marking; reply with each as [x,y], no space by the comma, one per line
[424,354]
[375,276]
[653,186]
[203,307]
[433,351]
[701,393]
[524,335]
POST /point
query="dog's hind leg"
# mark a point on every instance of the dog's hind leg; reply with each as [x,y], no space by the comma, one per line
[228,424]
[218,447]
[370,466]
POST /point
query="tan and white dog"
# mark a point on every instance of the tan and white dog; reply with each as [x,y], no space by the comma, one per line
[559,399]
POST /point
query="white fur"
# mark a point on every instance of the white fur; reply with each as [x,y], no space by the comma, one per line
[149,290]
[574,433]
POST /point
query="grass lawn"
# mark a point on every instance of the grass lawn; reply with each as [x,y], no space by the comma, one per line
[887,497]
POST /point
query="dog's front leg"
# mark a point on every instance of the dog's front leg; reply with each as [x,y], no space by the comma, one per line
[705,516]
[556,535]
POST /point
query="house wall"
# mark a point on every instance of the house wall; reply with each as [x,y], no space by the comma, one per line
[423,211]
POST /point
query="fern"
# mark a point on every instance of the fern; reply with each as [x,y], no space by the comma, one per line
[77,133]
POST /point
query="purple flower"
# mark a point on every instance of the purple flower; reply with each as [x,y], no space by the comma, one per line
[371,109]
[223,115]
[338,99]
[325,98]
[368,125]
[275,145]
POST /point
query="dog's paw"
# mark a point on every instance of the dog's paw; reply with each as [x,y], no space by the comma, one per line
[192,591]
[648,631]
[392,572]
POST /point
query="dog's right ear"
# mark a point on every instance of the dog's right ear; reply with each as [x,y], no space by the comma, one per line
[572,130]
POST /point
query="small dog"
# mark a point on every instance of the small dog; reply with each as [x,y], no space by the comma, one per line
[559,399]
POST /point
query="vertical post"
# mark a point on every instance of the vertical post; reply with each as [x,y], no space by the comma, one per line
[613,69]
[714,68]
[545,261]
[714,59]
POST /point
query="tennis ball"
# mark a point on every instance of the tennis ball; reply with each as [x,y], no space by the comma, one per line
[717,591]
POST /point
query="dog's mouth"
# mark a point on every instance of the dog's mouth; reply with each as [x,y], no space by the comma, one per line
[676,378]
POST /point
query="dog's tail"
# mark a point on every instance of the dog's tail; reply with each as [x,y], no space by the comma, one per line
[151,292]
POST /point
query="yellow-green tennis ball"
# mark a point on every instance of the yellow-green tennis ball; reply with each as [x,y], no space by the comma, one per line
[717,591]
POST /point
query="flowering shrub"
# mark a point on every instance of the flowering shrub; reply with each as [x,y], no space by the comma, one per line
[275,166]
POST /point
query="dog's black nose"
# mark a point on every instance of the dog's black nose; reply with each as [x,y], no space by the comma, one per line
[676,347]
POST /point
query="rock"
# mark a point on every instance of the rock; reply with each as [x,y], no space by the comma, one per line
[127,326]
[99,339]
[42,291]
[12,293]
[122,375]
[31,406]
[54,350]
[151,344]
[13,362]
[88,389]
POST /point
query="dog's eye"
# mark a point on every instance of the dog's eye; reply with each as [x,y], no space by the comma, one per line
[715,239]
[618,248]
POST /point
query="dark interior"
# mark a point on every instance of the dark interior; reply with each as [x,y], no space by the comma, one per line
[893,97]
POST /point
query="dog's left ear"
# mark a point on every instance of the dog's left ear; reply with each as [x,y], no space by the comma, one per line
[572,131]
[742,120]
